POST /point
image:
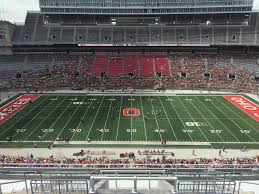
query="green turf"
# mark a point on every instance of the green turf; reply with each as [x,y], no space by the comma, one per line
[100,118]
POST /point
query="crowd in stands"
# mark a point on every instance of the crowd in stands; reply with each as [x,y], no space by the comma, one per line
[188,71]
[106,162]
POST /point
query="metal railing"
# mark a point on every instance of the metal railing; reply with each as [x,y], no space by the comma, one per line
[12,182]
[251,169]
[59,186]
[135,179]
[129,165]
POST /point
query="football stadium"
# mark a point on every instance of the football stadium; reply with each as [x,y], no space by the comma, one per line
[121,96]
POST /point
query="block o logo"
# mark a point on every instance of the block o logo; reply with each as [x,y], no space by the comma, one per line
[131,112]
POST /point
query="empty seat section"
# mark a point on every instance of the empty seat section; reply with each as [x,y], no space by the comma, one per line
[11,63]
[146,64]
[130,65]
[100,65]
[162,65]
[115,67]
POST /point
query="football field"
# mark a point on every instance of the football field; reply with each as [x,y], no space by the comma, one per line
[131,118]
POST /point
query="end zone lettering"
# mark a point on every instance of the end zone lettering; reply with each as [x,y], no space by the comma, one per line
[246,105]
[15,106]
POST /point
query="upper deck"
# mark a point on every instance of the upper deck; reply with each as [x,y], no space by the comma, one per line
[145,7]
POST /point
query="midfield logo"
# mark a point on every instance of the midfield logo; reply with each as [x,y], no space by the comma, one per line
[131,112]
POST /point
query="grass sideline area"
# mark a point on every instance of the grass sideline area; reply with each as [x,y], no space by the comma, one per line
[139,119]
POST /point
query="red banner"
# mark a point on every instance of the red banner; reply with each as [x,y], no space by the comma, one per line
[246,105]
[15,106]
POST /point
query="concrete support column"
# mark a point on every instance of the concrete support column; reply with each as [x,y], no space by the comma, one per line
[135,190]
[92,189]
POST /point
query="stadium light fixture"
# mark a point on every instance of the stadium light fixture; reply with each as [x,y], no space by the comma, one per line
[113,21]
[156,21]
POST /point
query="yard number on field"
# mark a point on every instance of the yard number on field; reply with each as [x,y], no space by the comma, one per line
[245,131]
[111,99]
[103,130]
[160,130]
[20,130]
[195,124]
[187,131]
[131,130]
[216,131]
[47,130]
[75,130]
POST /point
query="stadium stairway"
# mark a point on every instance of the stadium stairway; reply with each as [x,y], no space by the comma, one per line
[30,27]
[100,65]
[131,65]
[115,67]
[162,65]
[146,64]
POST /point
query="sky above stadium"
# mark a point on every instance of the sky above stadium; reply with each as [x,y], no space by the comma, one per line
[15,10]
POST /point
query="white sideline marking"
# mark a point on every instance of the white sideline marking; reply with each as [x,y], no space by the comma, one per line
[138,142]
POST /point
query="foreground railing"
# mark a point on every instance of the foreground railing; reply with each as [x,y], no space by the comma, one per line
[128,166]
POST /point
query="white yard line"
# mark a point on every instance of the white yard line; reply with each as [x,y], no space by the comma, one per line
[43,120]
[257,130]
[82,118]
[118,125]
[168,118]
[70,117]
[108,114]
[193,119]
[206,120]
[143,117]
[158,128]
[94,119]
[23,117]
[180,119]
[131,120]
[33,119]
[216,118]
[233,122]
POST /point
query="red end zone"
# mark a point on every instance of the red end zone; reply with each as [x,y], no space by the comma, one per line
[15,106]
[246,105]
